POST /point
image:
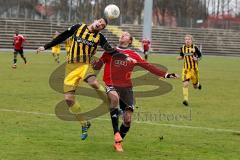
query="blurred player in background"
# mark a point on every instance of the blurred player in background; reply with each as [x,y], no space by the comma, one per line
[191,55]
[56,49]
[78,67]
[117,77]
[146,46]
[18,42]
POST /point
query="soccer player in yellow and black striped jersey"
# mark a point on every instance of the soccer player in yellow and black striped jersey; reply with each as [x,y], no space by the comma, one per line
[86,38]
[191,55]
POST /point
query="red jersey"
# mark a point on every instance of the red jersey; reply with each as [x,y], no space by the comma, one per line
[18,41]
[118,71]
[146,44]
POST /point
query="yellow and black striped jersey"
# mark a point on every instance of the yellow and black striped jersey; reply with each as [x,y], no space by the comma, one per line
[68,42]
[84,43]
[188,53]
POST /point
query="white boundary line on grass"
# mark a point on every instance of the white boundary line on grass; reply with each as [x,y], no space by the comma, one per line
[140,122]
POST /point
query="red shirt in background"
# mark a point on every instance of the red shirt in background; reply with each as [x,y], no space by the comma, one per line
[18,41]
[146,44]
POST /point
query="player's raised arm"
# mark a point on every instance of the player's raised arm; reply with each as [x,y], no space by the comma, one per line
[60,38]
[109,49]
[155,70]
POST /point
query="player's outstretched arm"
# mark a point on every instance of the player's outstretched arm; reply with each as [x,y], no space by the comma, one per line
[97,64]
[60,38]
[109,49]
[155,70]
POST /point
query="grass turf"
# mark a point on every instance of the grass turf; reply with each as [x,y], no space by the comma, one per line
[212,133]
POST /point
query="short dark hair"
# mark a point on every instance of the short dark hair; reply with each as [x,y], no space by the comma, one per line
[106,20]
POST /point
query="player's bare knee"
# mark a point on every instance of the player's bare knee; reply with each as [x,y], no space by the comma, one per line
[127,118]
[95,85]
[127,123]
[69,98]
[92,81]
[185,84]
[114,98]
[114,101]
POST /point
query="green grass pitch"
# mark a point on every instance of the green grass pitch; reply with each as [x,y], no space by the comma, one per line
[29,129]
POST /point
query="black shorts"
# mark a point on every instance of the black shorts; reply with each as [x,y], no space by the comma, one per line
[126,96]
[20,51]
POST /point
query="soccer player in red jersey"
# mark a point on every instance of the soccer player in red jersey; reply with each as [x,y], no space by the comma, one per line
[18,41]
[117,77]
[146,46]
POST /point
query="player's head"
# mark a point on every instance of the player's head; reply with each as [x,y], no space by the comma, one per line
[99,24]
[16,31]
[188,40]
[125,39]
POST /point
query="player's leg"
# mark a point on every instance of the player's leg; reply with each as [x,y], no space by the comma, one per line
[186,78]
[74,74]
[57,59]
[195,80]
[74,106]
[93,82]
[54,53]
[114,107]
[185,92]
[127,119]
[22,56]
[100,90]
[90,78]
[145,55]
[15,59]
[127,105]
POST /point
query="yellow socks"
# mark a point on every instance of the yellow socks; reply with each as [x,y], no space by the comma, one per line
[185,93]
[75,108]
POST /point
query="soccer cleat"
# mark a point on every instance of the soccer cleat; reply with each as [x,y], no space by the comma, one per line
[85,128]
[117,142]
[185,103]
[14,66]
[117,137]
[199,86]
[118,146]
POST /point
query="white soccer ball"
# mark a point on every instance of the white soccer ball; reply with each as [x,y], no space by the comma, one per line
[111,11]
